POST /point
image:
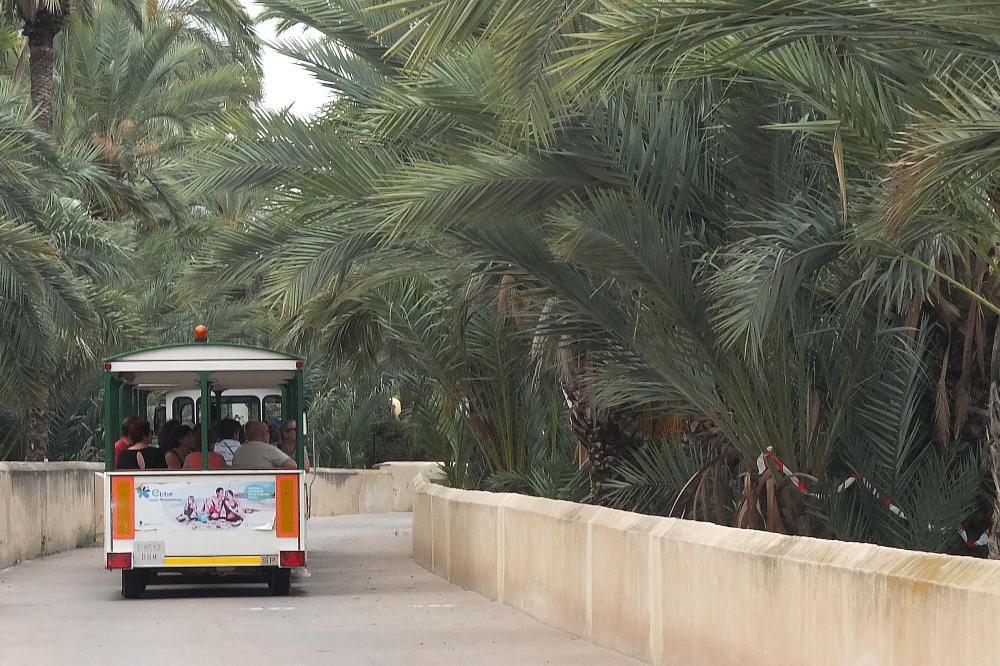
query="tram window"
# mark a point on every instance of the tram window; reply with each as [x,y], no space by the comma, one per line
[242,408]
[159,418]
[183,410]
[272,407]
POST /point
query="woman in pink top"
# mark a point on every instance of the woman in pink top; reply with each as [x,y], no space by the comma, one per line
[215,461]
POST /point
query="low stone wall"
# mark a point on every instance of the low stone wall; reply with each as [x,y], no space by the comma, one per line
[673,591]
[49,507]
[46,508]
[335,492]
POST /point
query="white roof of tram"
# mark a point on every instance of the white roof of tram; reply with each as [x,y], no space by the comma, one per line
[229,366]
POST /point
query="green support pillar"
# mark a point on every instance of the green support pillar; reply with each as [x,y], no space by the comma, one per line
[120,401]
[107,381]
[206,416]
[300,453]
[286,402]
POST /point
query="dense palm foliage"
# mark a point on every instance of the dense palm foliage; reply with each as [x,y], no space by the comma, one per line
[634,253]
[99,223]
[678,233]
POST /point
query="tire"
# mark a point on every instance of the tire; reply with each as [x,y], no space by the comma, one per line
[133,583]
[279,581]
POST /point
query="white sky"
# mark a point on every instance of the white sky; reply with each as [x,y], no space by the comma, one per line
[285,83]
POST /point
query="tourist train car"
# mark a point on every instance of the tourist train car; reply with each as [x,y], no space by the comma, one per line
[161,526]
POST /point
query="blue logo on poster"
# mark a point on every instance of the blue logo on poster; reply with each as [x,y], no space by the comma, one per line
[260,491]
[144,492]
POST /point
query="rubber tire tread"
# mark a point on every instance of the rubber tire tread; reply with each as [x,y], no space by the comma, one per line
[279,582]
[133,583]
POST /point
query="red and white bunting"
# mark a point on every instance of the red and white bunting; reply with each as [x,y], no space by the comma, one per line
[769,454]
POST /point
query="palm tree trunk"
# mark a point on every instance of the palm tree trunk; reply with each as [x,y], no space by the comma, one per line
[37,436]
[41,35]
[41,25]
[993,437]
[603,440]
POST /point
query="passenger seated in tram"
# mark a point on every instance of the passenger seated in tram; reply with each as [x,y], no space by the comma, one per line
[215,461]
[141,455]
[287,442]
[180,442]
[124,442]
[258,453]
[165,430]
[230,436]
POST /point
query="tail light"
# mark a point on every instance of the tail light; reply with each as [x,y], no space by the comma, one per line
[286,494]
[119,560]
[292,558]
[122,507]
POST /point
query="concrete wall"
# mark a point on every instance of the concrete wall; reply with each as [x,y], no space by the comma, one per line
[47,507]
[682,592]
[335,492]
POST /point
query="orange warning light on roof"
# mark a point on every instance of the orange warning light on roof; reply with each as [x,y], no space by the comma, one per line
[201,333]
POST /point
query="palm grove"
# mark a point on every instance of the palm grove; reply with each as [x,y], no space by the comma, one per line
[632,253]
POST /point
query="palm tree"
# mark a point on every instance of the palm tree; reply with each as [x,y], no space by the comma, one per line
[809,57]
[692,202]
[55,256]
[132,103]
[217,22]
[129,106]
[42,22]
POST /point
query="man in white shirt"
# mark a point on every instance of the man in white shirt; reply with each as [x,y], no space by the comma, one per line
[258,453]
[229,442]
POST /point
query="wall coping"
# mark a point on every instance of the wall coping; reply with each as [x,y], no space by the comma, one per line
[55,466]
[935,569]
[16,466]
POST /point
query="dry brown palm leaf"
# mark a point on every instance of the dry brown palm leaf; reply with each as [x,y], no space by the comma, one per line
[773,521]
[970,343]
[942,405]
[949,313]
[748,513]
[912,319]
[815,415]
[146,148]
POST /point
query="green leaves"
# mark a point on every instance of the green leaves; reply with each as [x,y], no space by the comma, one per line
[716,211]
[678,37]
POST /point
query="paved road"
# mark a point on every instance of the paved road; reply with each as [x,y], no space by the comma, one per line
[365,602]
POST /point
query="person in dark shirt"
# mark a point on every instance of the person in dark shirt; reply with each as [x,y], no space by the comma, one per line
[178,445]
[288,443]
[165,431]
[124,442]
[141,455]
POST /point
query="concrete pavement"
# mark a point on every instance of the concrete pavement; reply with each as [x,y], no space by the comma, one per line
[365,602]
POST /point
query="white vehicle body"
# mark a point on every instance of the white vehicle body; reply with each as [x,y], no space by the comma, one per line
[252,404]
[145,516]
[222,520]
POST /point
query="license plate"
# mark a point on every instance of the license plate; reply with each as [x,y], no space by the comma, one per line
[148,554]
[268,560]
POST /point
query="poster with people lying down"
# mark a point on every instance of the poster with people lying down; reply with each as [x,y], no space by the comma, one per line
[234,503]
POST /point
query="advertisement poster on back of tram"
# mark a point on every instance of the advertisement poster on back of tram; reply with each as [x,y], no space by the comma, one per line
[221,504]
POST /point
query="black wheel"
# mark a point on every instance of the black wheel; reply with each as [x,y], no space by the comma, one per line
[133,583]
[279,581]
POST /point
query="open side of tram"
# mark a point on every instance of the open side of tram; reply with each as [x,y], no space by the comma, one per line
[165,525]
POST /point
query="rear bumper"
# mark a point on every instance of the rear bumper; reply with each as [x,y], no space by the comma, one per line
[286,560]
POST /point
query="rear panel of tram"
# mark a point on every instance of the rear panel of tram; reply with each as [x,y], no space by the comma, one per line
[205,520]
[230,520]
